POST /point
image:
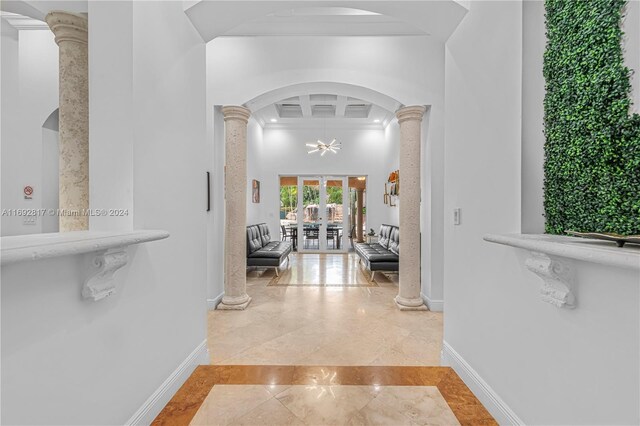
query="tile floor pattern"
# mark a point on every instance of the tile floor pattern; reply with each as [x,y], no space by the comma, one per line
[321,345]
[327,320]
[323,395]
[324,405]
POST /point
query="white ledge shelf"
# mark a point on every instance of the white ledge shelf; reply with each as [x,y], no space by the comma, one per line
[585,249]
[109,248]
[551,256]
[20,248]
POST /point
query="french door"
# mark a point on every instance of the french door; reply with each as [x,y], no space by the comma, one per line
[323,208]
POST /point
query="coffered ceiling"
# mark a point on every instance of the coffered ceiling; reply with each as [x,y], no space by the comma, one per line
[322,109]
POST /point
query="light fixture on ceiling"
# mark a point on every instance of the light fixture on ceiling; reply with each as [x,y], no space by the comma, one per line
[273,120]
[376,121]
[323,148]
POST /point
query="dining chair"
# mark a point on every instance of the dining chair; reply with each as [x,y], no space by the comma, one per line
[331,235]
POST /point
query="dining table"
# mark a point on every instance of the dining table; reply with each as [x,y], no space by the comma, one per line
[333,231]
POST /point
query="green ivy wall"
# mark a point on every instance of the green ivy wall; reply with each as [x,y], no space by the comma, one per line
[592,148]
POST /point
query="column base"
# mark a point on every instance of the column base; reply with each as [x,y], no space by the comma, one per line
[410,304]
[233,306]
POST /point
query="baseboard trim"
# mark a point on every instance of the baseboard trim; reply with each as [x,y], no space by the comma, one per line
[489,398]
[432,304]
[212,304]
[156,402]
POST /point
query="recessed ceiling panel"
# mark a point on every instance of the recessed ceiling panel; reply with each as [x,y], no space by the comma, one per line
[324,111]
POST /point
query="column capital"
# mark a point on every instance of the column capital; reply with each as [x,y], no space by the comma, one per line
[410,113]
[68,26]
[234,112]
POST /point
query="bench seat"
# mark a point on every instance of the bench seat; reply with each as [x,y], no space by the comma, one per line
[261,251]
[383,255]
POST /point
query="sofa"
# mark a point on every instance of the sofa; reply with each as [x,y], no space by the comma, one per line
[261,251]
[383,255]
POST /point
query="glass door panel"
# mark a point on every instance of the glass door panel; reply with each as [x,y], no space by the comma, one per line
[310,218]
[334,196]
[289,209]
[322,213]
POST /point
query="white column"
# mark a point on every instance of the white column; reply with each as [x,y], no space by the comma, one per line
[235,223]
[70,30]
[410,120]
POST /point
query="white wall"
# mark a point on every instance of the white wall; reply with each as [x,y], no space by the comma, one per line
[365,152]
[50,169]
[408,69]
[549,365]
[258,212]
[533,45]
[29,96]
[392,136]
[82,362]
[111,124]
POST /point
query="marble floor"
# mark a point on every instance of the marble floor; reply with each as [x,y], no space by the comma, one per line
[322,345]
[323,310]
[323,395]
[324,405]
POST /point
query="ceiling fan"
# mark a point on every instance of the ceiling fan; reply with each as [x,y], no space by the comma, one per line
[323,148]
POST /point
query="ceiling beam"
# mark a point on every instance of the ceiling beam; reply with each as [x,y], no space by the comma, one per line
[305,103]
[341,106]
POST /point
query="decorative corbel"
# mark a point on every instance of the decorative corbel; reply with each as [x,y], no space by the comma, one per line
[557,277]
[100,284]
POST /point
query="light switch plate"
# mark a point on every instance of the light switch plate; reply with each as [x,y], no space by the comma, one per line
[456,216]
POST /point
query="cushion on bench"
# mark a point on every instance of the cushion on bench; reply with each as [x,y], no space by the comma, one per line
[376,253]
[394,240]
[273,250]
[385,234]
[254,241]
[264,233]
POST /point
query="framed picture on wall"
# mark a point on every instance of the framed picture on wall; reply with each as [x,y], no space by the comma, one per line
[255,191]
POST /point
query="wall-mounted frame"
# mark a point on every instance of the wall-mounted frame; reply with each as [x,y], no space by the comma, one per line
[255,191]
[208,191]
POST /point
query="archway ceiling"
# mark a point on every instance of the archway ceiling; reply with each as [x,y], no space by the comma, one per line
[213,18]
[323,104]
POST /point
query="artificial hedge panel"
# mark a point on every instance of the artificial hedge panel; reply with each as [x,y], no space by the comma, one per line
[592,148]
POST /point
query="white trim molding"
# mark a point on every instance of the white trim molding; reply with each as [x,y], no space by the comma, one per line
[156,402]
[481,389]
[212,304]
[435,305]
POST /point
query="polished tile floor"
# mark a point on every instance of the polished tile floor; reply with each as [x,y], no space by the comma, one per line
[324,405]
[322,310]
[322,345]
[323,395]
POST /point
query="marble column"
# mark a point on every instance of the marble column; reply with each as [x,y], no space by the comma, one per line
[70,30]
[359,214]
[410,120]
[235,222]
